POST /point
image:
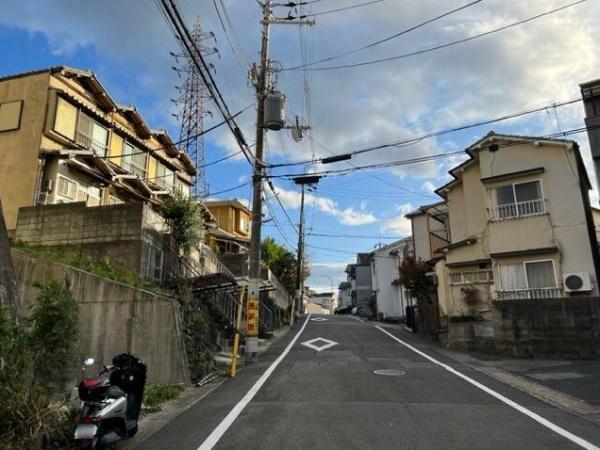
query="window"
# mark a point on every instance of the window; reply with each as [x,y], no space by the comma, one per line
[91,135]
[154,269]
[244,225]
[66,188]
[134,160]
[164,176]
[10,115]
[182,187]
[94,196]
[65,119]
[519,200]
[82,196]
[527,276]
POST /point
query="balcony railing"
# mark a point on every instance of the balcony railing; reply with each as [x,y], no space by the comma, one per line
[519,209]
[90,143]
[472,277]
[210,263]
[437,240]
[527,294]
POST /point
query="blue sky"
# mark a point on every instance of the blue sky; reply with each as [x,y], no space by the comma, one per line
[127,44]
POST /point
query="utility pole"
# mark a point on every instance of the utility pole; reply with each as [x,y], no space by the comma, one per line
[8,289]
[261,78]
[302,181]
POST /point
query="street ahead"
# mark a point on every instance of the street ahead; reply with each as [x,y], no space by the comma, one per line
[333,399]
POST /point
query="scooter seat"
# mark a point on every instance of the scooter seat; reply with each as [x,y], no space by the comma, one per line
[115,392]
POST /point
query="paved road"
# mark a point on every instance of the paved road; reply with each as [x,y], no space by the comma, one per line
[333,399]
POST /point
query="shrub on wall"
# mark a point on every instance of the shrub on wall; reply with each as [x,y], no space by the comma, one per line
[36,358]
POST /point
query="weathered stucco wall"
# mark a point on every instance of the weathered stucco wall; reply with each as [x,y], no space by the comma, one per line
[114,318]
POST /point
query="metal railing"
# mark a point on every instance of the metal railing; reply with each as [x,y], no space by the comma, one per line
[226,304]
[527,294]
[265,317]
[210,262]
[90,143]
[519,209]
[472,277]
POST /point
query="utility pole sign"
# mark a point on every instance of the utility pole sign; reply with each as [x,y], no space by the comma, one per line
[252,322]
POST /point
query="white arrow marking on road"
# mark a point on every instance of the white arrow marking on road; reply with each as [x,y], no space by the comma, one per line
[318,319]
[312,344]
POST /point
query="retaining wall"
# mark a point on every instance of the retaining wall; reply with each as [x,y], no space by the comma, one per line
[114,318]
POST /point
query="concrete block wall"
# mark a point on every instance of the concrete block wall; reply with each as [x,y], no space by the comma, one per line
[74,223]
[567,328]
[114,318]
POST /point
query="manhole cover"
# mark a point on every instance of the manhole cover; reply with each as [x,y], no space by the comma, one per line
[389,372]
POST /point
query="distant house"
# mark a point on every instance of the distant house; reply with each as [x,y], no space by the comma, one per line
[321,303]
[345,295]
[518,224]
[590,93]
[233,224]
[390,296]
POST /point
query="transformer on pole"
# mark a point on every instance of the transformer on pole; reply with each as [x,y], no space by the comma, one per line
[191,102]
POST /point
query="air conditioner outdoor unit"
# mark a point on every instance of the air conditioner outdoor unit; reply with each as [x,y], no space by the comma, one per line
[577,282]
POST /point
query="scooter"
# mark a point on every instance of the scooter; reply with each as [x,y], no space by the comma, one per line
[111,402]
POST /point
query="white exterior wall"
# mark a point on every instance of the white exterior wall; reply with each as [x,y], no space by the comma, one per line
[384,270]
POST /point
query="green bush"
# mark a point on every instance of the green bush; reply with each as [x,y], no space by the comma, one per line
[157,394]
[36,356]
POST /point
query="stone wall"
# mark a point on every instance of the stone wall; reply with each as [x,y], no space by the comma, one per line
[114,318]
[567,328]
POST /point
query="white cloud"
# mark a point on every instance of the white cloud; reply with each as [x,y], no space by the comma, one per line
[399,224]
[346,216]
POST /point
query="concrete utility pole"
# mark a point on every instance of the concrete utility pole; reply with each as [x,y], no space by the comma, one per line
[8,289]
[261,76]
[302,181]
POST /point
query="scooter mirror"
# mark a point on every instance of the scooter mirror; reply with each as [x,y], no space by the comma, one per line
[88,362]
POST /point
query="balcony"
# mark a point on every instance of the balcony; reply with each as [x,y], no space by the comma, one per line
[519,209]
[90,143]
[471,277]
[437,240]
[530,294]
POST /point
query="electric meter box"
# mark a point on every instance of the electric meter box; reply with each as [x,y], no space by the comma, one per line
[274,111]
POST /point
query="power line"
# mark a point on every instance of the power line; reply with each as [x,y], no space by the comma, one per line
[320,13]
[389,38]
[234,41]
[411,141]
[353,236]
[448,44]
[281,205]
[174,19]
[434,156]
[230,189]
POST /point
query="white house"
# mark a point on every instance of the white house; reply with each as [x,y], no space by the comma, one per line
[390,295]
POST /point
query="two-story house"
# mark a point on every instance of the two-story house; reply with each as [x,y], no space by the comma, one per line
[520,225]
[233,225]
[64,139]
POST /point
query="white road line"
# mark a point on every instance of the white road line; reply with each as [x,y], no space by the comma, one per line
[561,431]
[220,430]
[356,318]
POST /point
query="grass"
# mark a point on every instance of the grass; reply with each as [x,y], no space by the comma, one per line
[102,268]
[157,394]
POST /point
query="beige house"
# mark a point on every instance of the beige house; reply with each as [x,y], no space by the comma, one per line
[519,224]
[64,139]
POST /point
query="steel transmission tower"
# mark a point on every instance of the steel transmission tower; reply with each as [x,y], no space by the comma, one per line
[191,101]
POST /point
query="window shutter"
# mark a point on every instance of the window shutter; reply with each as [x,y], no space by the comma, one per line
[10,115]
[65,119]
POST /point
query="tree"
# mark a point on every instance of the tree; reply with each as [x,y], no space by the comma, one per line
[282,263]
[185,220]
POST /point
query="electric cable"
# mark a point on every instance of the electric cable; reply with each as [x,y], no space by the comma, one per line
[446,45]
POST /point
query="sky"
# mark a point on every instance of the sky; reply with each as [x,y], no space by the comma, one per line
[127,44]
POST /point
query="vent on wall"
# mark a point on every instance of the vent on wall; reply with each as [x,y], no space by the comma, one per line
[577,282]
